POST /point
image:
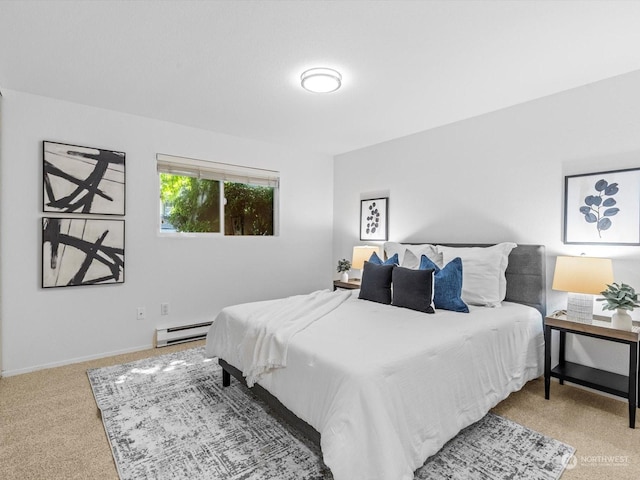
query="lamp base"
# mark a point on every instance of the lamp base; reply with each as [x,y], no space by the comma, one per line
[580,307]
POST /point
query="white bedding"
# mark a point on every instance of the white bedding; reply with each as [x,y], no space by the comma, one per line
[268,331]
[387,387]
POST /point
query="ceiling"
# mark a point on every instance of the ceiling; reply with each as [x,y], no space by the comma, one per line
[234,66]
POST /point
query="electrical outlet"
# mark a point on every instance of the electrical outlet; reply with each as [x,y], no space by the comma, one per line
[141,313]
[164,309]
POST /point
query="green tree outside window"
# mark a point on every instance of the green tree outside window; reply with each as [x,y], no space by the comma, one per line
[191,204]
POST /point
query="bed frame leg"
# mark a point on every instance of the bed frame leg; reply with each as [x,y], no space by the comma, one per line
[226,378]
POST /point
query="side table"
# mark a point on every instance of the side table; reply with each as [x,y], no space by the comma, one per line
[625,386]
[352,284]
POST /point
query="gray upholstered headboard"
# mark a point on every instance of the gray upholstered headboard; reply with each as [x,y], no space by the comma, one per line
[526,274]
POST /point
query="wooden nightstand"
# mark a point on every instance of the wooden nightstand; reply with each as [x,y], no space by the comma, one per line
[613,383]
[352,284]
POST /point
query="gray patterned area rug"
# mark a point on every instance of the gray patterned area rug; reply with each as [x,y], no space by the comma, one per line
[169,417]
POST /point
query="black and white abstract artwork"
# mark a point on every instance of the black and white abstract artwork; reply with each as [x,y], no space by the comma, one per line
[82,252]
[83,180]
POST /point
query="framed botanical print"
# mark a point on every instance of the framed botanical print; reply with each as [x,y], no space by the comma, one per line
[374,219]
[82,180]
[602,208]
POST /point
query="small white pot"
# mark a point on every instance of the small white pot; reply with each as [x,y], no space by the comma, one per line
[621,320]
[344,277]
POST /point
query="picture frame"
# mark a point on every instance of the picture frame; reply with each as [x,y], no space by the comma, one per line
[602,208]
[374,219]
[82,251]
[82,180]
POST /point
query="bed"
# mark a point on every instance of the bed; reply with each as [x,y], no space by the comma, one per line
[381,388]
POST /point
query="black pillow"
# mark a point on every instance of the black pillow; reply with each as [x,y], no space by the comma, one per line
[413,289]
[376,283]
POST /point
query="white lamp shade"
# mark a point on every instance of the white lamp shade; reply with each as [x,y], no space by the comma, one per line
[582,274]
[362,254]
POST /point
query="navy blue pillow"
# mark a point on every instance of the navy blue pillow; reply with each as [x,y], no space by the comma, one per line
[389,261]
[448,284]
[413,289]
[376,283]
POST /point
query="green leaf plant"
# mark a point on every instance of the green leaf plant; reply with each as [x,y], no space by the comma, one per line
[619,296]
[344,265]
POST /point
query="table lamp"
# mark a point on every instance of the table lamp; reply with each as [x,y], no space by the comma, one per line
[582,277]
[360,255]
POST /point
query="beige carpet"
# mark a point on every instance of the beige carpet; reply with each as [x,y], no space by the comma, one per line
[50,428]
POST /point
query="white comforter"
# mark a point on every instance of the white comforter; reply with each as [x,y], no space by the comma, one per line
[387,387]
[269,330]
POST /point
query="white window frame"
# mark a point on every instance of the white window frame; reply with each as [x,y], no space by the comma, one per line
[222,172]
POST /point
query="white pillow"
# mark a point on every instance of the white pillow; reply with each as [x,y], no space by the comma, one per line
[483,279]
[391,248]
[409,260]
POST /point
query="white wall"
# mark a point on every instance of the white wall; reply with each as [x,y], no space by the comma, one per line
[500,177]
[1,282]
[196,276]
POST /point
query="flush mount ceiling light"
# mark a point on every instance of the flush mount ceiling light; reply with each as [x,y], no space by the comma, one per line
[321,80]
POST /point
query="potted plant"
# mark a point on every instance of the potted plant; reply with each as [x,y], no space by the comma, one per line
[344,266]
[620,297]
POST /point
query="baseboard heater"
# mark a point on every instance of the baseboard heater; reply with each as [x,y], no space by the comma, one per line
[182,334]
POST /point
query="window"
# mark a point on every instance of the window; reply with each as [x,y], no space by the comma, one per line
[207,197]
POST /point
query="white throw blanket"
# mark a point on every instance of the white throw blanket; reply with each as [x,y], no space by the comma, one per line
[265,343]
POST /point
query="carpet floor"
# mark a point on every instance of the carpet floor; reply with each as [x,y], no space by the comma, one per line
[170,418]
[50,428]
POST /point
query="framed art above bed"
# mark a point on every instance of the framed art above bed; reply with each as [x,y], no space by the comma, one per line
[602,208]
[374,218]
